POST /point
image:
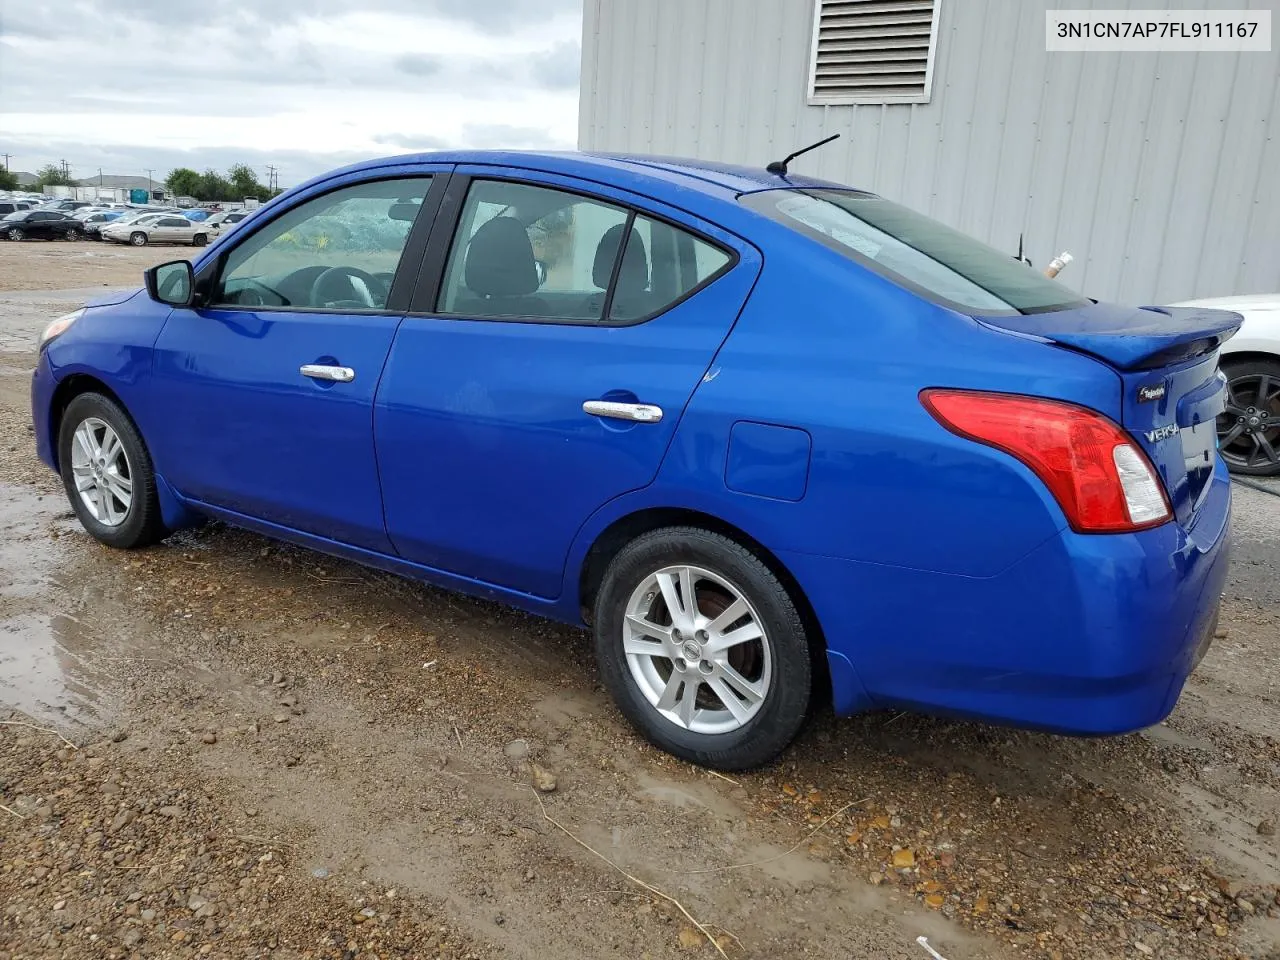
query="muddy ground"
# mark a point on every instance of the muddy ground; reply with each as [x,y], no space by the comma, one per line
[279,754]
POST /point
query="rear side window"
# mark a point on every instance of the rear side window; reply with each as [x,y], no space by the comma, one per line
[526,251]
[534,252]
[660,266]
[915,251]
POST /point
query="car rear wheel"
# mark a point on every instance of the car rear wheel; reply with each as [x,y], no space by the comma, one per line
[73,234]
[138,239]
[107,473]
[17,234]
[702,648]
[1249,429]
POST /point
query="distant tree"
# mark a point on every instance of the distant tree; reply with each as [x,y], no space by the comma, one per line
[8,180]
[244,181]
[214,186]
[51,175]
[183,182]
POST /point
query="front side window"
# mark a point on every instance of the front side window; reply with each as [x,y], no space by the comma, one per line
[338,251]
[921,254]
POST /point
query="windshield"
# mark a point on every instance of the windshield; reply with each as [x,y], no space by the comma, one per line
[915,251]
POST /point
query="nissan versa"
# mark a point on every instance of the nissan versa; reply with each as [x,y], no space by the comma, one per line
[774,439]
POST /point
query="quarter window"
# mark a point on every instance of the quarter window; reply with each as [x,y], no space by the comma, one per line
[339,251]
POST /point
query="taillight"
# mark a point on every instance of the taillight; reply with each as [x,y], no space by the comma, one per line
[1101,479]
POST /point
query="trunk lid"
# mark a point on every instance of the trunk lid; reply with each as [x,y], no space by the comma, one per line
[1167,362]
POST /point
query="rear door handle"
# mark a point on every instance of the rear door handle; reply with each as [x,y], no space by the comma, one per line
[323,371]
[639,412]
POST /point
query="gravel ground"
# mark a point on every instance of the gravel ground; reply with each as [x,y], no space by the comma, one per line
[279,754]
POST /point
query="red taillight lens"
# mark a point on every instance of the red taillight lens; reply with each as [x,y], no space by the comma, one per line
[1101,479]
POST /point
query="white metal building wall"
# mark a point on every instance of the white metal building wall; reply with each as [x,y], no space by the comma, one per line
[1160,172]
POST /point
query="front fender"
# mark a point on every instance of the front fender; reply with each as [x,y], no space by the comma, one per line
[112,344]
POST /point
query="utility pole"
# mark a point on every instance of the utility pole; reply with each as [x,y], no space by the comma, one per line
[6,160]
[150,170]
[99,176]
[66,169]
[273,178]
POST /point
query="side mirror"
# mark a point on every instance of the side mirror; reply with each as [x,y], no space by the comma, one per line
[172,283]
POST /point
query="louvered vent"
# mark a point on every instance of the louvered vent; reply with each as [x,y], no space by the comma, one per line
[872,51]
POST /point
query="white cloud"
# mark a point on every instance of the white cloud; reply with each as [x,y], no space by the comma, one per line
[314,82]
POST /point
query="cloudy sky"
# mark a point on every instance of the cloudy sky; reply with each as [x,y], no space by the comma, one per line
[305,85]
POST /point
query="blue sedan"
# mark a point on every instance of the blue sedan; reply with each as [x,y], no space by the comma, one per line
[773,439]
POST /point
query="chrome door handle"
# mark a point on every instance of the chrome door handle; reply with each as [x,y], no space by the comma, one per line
[639,412]
[322,371]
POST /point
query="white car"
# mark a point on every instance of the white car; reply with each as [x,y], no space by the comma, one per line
[1249,430]
[158,228]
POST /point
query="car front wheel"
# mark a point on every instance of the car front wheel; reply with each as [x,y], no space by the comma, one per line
[17,235]
[138,239]
[702,648]
[1249,429]
[107,473]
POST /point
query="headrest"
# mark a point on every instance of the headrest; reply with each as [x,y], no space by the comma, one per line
[500,260]
[634,275]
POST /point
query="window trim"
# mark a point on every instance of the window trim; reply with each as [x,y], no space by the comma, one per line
[426,295]
[815,99]
[402,281]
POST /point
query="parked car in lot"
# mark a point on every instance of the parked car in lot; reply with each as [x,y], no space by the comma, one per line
[40,225]
[159,228]
[772,438]
[64,205]
[1249,428]
[13,206]
[94,220]
[224,220]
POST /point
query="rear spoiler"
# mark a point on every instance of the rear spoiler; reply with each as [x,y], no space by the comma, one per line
[1130,338]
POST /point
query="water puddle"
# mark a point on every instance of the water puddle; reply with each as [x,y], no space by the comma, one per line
[43,668]
[43,671]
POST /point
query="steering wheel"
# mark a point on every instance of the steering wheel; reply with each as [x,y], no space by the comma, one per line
[337,286]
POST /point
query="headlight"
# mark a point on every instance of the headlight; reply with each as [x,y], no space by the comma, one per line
[59,327]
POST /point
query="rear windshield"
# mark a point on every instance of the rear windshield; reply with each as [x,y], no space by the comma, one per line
[916,252]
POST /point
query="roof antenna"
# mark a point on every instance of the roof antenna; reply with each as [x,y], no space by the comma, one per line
[779,167]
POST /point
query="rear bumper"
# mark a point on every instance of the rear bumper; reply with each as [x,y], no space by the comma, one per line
[1085,635]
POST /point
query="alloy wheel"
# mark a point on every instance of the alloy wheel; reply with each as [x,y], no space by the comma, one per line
[1249,428]
[103,476]
[697,649]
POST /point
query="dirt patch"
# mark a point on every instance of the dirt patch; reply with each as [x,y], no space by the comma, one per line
[62,264]
[374,740]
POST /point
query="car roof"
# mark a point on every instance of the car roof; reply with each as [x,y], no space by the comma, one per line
[703,175]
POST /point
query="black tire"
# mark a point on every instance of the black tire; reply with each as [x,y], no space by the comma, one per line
[199,240]
[143,524]
[16,234]
[786,703]
[138,238]
[1249,432]
[72,235]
